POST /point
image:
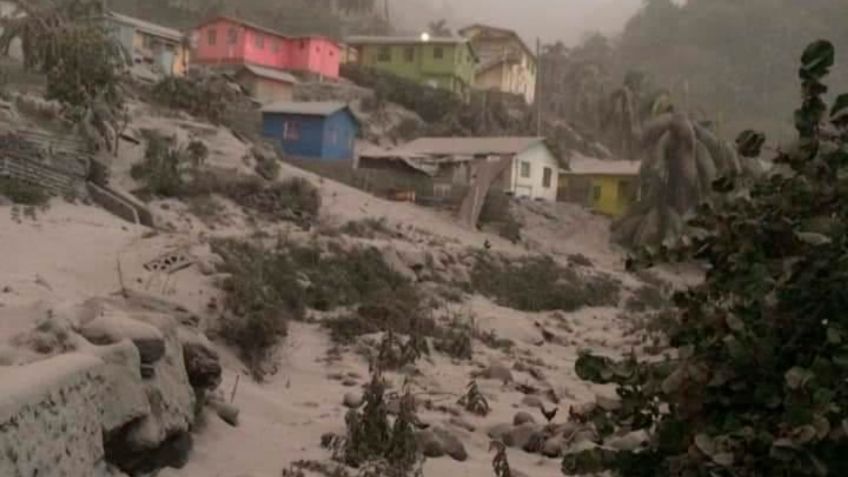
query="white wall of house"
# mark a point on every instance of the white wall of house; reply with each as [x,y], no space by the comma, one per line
[7,10]
[527,176]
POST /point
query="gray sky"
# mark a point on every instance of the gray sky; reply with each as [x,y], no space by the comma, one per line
[568,20]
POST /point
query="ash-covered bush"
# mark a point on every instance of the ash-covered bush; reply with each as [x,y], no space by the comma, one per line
[758,381]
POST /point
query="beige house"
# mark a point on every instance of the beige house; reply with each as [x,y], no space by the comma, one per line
[165,49]
[266,85]
[506,64]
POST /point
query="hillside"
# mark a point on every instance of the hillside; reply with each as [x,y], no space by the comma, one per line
[155,328]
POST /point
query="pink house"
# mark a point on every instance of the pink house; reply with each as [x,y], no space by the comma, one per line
[229,41]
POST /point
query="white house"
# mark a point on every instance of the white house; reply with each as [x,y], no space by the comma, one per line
[10,10]
[533,170]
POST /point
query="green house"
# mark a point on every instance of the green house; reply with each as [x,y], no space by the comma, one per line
[446,63]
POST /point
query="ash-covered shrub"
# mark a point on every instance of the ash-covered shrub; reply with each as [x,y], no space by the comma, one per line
[540,284]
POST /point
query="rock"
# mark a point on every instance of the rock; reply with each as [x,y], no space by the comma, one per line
[523,417]
[349,383]
[150,350]
[203,366]
[462,424]
[437,442]
[532,401]
[553,447]
[226,411]
[499,372]
[520,436]
[498,431]
[352,400]
[452,445]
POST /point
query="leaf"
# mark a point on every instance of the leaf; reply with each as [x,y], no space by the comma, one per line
[839,112]
[750,143]
[817,59]
[813,238]
[797,377]
[735,323]
[705,444]
[724,459]
[834,335]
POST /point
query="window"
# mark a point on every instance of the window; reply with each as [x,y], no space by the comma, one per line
[212,37]
[260,41]
[409,54]
[438,53]
[596,193]
[525,169]
[232,36]
[291,131]
[385,54]
[547,177]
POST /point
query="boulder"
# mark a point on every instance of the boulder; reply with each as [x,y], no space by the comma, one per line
[553,447]
[532,401]
[203,366]
[437,442]
[523,417]
[150,350]
[498,371]
[352,400]
[497,432]
[520,436]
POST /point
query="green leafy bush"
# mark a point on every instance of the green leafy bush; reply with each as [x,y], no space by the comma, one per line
[759,381]
[540,284]
[23,193]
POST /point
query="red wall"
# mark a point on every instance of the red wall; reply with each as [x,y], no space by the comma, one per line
[318,55]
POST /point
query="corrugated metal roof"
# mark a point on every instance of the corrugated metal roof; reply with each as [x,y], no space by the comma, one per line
[308,108]
[270,73]
[467,146]
[581,165]
[402,40]
[147,27]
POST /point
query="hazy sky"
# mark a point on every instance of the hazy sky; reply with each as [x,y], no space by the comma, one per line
[568,20]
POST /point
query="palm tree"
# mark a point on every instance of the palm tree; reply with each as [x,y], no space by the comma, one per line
[439,29]
[682,159]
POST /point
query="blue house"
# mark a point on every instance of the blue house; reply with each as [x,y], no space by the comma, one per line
[312,130]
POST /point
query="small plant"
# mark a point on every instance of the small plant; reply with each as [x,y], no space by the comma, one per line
[369,228]
[500,462]
[395,352]
[540,284]
[455,340]
[23,193]
[372,443]
[473,401]
[268,167]
[164,167]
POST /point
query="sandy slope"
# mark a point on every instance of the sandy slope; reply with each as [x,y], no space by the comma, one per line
[70,253]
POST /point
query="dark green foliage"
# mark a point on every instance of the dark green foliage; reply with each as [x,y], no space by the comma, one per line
[473,400]
[455,340]
[24,193]
[395,352]
[207,97]
[540,284]
[431,104]
[369,228]
[164,167]
[760,372]
[83,64]
[267,167]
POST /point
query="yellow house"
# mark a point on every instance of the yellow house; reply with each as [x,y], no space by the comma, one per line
[160,47]
[607,187]
[506,64]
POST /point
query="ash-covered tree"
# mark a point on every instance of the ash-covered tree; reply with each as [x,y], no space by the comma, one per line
[68,42]
[757,384]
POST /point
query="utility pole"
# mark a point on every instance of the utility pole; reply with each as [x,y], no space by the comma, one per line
[538,87]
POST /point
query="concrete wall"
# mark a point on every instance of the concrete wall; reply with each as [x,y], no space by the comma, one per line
[539,157]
